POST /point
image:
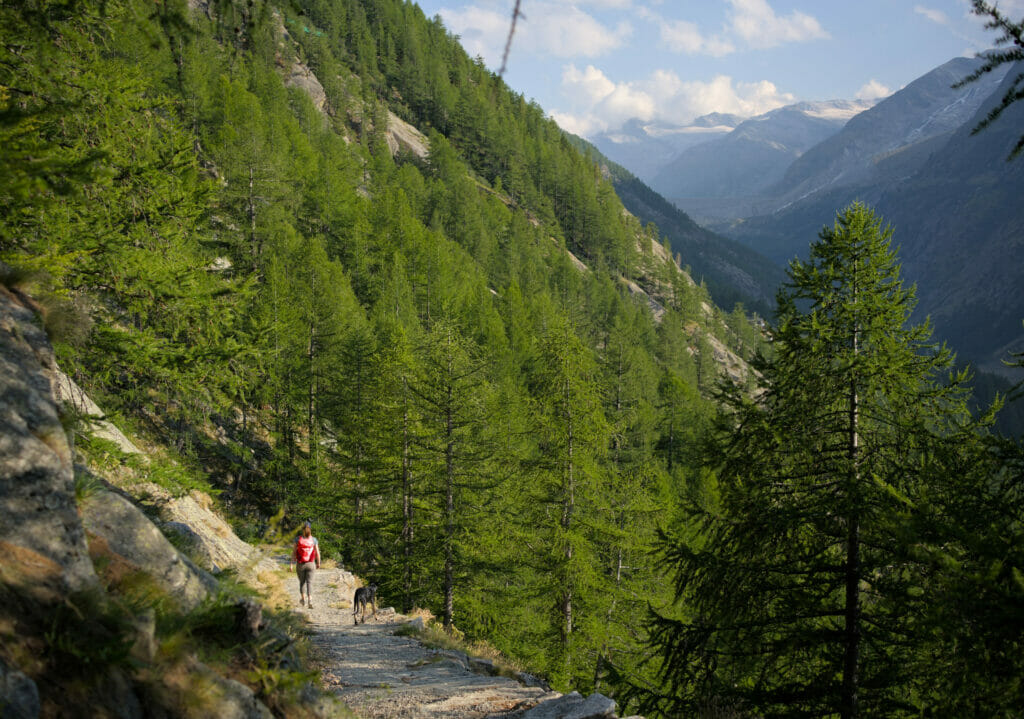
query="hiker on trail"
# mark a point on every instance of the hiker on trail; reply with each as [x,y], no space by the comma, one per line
[306,557]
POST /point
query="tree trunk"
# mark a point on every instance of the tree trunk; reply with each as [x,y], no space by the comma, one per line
[407,527]
[851,634]
[251,211]
[567,510]
[599,666]
[449,504]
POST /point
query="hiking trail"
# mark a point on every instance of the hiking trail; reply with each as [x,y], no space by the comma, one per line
[383,676]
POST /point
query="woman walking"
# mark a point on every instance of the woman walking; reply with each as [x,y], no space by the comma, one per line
[306,558]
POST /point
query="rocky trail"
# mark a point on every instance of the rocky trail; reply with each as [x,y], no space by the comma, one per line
[383,676]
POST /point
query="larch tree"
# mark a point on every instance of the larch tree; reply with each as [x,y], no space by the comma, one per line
[789,587]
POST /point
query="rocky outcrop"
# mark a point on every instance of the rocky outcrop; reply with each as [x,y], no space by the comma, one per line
[303,78]
[130,534]
[19,696]
[401,136]
[46,566]
[574,706]
[40,533]
[210,540]
[194,691]
[68,392]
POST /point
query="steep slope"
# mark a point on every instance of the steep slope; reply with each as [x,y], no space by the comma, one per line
[100,614]
[400,336]
[927,108]
[732,272]
[755,155]
[959,221]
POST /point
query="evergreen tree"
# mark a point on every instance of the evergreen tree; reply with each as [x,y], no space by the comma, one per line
[1012,34]
[457,447]
[573,436]
[791,588]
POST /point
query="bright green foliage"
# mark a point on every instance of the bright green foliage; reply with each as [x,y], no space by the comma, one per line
[793,585]
[400,348]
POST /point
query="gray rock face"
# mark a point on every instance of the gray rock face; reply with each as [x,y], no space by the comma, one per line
[130,534]
[40,533]
[596,706]
[574,706]
[70,393]
[19,697]
[211,540]
[556,708]
[403,136]
[304,79]
[229,699]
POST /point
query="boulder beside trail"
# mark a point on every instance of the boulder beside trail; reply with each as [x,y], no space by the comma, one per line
[574,706]
[19,696]
[555,708]
[37,494]
[131,535]
[596,706]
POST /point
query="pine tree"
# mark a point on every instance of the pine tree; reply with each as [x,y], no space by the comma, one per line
[1012,34]
[457,445]
[573,435]
[790,590]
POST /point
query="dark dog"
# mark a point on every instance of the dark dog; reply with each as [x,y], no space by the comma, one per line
[364,596]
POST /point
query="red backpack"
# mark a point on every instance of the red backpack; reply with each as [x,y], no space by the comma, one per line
[305,549]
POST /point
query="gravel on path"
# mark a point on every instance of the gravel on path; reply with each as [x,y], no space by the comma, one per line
[383,676]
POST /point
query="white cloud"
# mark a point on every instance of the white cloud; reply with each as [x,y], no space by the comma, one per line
[683,36]
[546,28]
[600,104]
[873,90]
[581,126]
[936,16]
[756,22]
[587,87]
[482,31]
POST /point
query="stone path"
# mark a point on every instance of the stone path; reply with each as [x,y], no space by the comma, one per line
[381,676]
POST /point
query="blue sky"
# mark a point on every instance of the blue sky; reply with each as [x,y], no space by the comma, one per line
[593,64]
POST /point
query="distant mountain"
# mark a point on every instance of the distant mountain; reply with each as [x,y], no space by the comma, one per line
[731,271]
[645,147]
[899,127]
[953,199]
[756,154]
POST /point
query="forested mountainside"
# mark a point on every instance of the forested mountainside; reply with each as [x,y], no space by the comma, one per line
[457,353]
[332,267]
[732,272]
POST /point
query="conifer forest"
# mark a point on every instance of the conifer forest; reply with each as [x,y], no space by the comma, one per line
[344,274]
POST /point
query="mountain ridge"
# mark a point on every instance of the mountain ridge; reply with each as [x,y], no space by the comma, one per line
[755,154]
[953,199]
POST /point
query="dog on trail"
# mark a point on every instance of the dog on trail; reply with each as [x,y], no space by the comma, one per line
[364,596]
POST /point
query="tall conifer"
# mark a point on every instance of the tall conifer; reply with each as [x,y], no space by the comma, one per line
[791,586]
